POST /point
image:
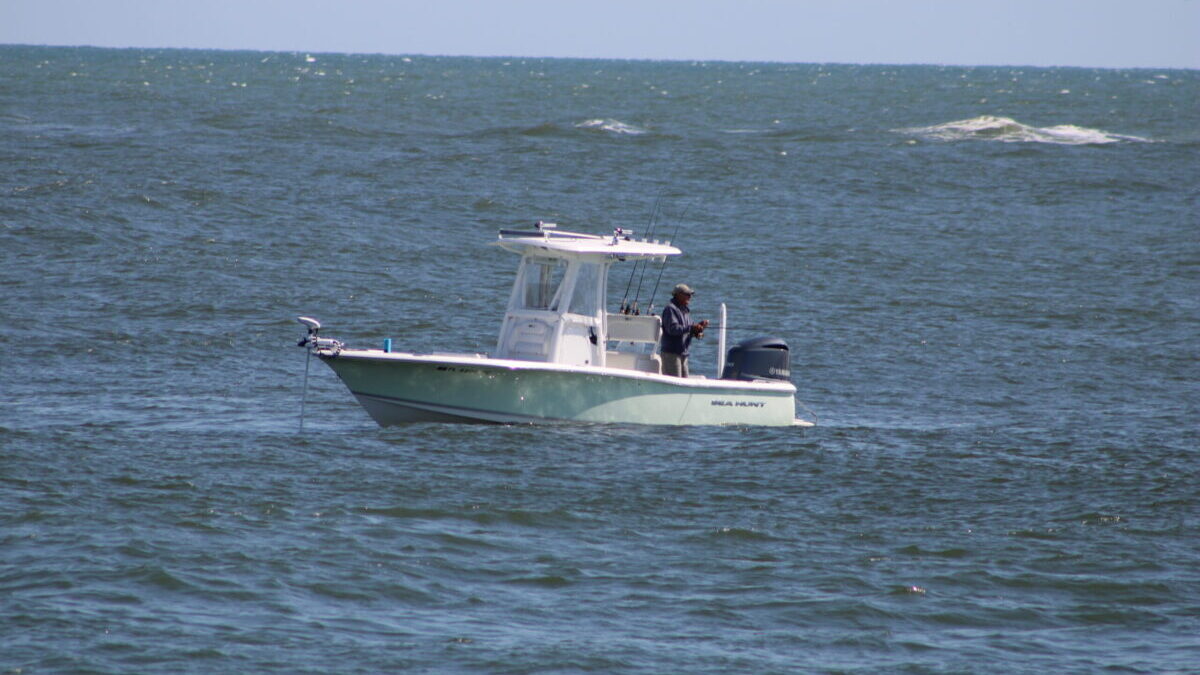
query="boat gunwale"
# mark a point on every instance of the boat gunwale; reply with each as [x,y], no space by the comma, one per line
[513,365]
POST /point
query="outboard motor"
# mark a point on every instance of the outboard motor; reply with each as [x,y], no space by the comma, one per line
[763,358]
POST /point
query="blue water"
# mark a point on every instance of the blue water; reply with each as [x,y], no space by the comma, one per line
[989,277]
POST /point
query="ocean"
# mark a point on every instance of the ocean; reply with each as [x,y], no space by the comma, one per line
[989,278]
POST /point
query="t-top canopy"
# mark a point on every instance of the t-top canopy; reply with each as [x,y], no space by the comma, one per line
[547,240]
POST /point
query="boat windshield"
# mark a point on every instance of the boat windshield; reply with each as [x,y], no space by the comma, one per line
[586,298]
[543,276]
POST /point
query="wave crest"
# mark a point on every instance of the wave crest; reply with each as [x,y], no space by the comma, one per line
[611,126]
[1008,130]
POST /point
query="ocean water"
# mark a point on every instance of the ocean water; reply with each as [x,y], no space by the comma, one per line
[989,277]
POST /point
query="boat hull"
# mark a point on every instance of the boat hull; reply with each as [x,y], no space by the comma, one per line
[396,388]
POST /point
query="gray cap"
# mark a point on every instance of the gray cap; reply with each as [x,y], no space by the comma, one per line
[683,288]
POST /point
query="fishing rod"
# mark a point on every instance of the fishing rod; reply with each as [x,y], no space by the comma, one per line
[663,267]
[638,294]
[741,326]
[649,232]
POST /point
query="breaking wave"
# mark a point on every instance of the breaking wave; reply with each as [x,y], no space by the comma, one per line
[611,126]
[1007,130]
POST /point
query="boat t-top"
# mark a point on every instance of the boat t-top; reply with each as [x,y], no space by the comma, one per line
[561,357]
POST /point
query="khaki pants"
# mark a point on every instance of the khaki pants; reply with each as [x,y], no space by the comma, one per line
[674,364]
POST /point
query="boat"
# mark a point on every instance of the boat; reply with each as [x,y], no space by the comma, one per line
[561,357]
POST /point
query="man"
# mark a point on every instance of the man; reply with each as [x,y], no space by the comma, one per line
[678,331]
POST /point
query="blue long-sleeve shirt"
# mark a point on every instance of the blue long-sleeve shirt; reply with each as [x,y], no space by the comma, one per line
[677,328]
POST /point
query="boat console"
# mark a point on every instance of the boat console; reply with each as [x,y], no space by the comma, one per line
[556,310]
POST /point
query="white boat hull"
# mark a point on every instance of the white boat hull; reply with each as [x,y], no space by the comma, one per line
[398,388]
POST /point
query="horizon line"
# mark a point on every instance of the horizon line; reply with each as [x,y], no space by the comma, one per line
[685,60]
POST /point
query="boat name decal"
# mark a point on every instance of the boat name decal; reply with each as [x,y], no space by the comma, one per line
[739,404]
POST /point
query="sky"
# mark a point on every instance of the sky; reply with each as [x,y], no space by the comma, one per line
[1090,33]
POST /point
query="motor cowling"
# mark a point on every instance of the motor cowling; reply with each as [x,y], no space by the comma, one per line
[757,359]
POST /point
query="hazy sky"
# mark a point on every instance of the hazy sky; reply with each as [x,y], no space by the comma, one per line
[1105,33]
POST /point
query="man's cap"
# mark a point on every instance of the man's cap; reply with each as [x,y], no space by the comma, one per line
[683,288]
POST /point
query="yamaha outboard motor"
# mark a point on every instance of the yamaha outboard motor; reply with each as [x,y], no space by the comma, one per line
[761,358]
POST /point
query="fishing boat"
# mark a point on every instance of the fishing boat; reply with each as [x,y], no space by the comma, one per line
[561,357]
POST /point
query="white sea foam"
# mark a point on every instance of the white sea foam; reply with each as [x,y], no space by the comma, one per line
[1008,130]
[611,126]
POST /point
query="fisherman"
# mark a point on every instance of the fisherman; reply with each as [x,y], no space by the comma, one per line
[678,331]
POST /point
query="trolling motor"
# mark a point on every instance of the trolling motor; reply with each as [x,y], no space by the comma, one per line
[310,339]
[313,343]
[313,327]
